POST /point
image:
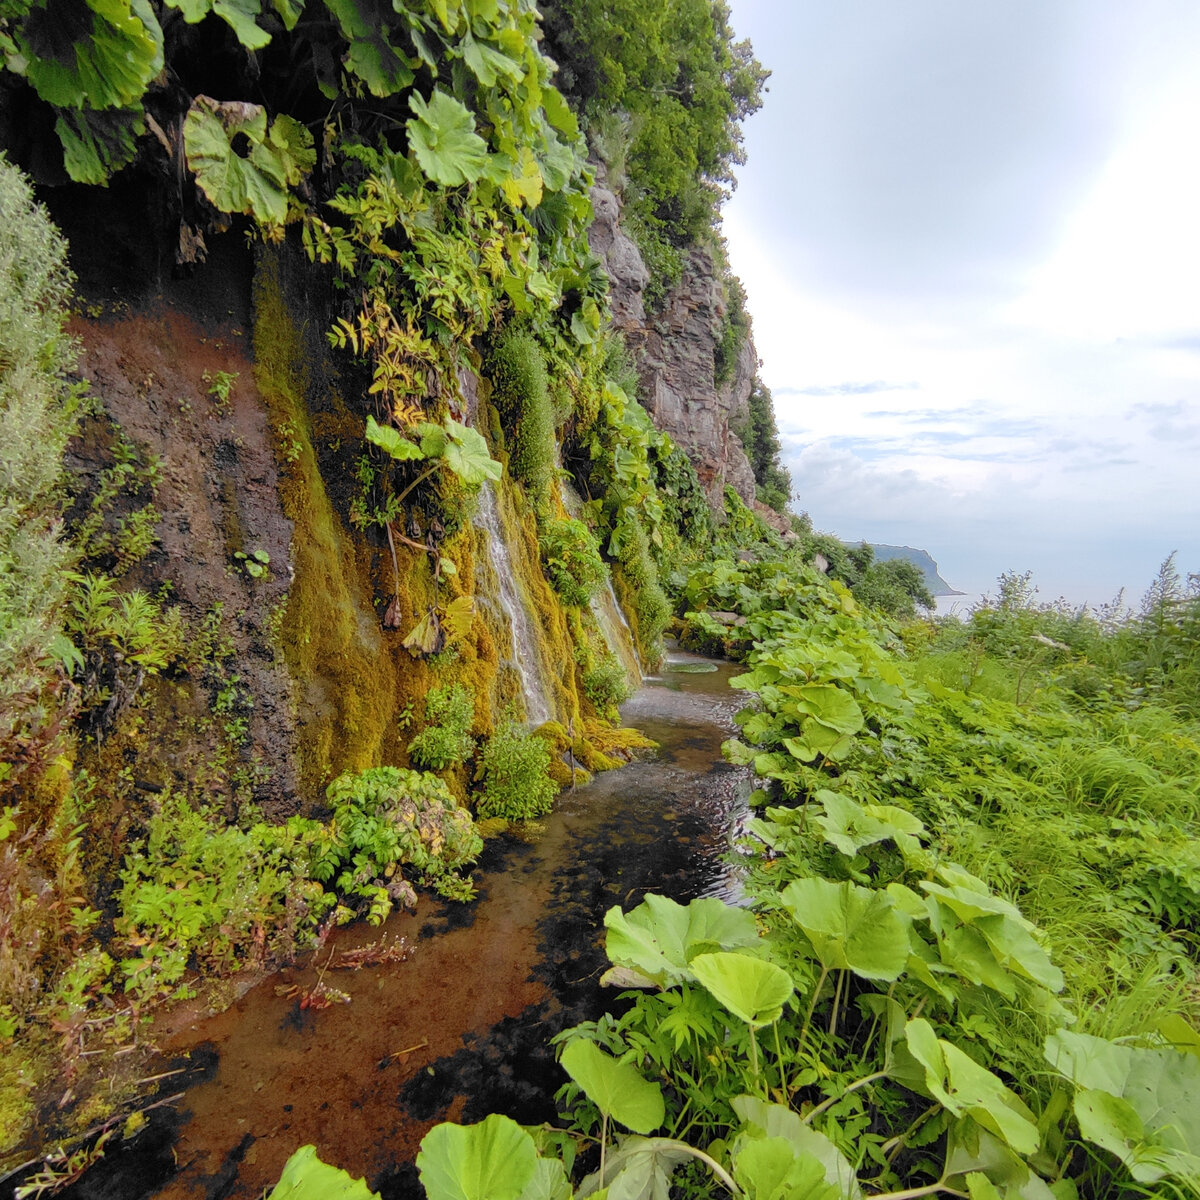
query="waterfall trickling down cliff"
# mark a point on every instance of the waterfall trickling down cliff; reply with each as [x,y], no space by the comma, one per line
[611,619]
[525,659]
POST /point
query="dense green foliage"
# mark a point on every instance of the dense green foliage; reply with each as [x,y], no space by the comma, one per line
[664,88]
[519,390]
[37,416]
[572,559]
[446,739]
[969,967]
[513,766]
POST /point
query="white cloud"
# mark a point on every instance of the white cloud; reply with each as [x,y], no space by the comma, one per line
[1031,404]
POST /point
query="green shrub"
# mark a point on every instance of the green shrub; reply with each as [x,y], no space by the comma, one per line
[573,563]
[514,766]
[606,685]
[651,608]
[521,393]
[385,817]
[38,410]
[447,739]
[199,892]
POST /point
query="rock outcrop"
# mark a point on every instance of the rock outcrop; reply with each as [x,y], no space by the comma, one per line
[675,352]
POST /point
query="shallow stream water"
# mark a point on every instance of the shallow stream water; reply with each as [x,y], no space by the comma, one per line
[461,1027]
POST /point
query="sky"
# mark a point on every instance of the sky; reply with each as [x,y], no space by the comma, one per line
[969,231]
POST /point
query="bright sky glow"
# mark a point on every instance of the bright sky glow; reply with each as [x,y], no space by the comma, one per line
[970,235]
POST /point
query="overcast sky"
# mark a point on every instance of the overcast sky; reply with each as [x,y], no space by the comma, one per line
[970,234]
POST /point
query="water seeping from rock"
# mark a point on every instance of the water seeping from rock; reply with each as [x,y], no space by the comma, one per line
[525,659]
[462,1026]
[615,628]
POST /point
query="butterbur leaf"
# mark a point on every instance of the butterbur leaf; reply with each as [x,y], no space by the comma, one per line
[459,615]
[433,439]
[964,1088]
[306,1177]
[972,1151]
[96,144]
[850,927]
[524,187]
[549,1182]
[488,64]
[772,1169]
[442,136]
[660,937]
[638,1169]
[828,704]
[1137,1102]
[762,1119]
[91,53]
[558,112]
[391,441]
[466,454]
[238,165]
[851,826]
[371,56]
[753,989]
[427,636]
[615,1088]
[494,1160]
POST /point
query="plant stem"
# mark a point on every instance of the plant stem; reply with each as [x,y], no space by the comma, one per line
[754,1058]
[714,1166]
[779,1058]
[419,480]
[813,1002]
[395,561]
[893,1146]
[603,1143]
[910,1193]
[837,998]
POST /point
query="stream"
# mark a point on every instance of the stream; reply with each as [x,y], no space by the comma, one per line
[461,1026]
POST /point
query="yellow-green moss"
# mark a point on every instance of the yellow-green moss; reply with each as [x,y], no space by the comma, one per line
[346,687]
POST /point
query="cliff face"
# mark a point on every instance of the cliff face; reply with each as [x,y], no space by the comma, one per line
[675,352]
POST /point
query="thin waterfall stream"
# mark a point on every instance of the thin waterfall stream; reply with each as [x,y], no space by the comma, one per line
[462,1026]
[525,657]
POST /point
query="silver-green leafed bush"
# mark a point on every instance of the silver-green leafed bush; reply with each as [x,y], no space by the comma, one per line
[38,408]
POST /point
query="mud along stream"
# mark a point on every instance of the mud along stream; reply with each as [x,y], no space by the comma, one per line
[461,1027]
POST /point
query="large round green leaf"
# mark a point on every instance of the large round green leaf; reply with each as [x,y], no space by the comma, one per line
[442,136]
[660,937]
[240,164]
[306,1177]
[752,989]
[494,1160]
[771,1168]
[964,1088]
[615,1088]
[466,454]
[390,439]
[92,54]
[850,927]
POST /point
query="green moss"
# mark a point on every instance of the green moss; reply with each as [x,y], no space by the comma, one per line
[522,397]
[346,685]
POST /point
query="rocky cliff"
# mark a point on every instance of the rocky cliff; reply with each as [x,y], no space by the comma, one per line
[675,351]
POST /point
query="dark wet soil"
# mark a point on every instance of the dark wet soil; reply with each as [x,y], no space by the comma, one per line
[461,1027]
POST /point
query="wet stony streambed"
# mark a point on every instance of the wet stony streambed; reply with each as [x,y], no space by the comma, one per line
[460,1028]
